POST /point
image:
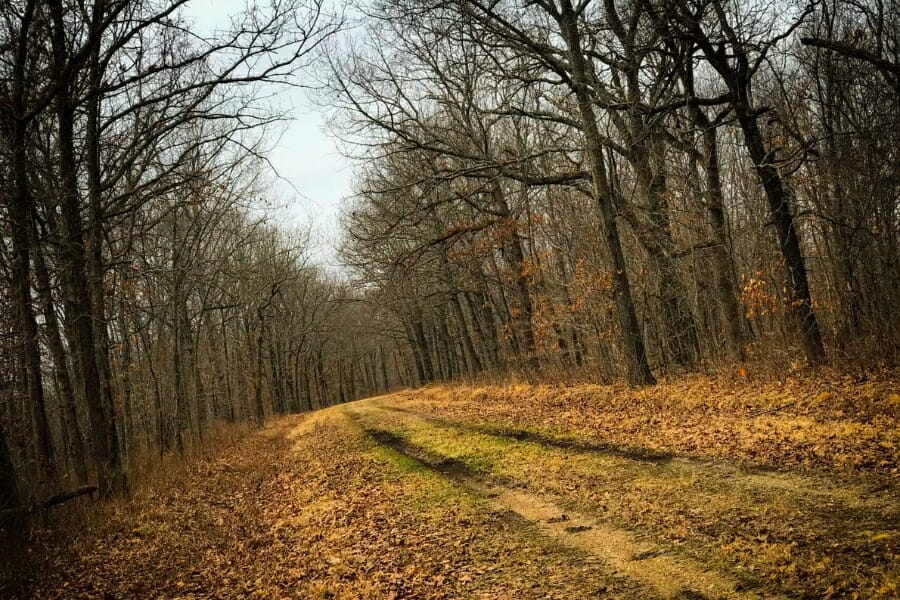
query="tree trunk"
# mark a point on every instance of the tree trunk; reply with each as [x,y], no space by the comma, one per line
[105,444]
[471,355]
[129,434]
[94,255]
[632,338]
[20,213]
[179,324]
[72,430]
[788,240]
[514,255]
[258,405]
[679,334]
[9,491]
[21,206]
[424,352]
[725,278]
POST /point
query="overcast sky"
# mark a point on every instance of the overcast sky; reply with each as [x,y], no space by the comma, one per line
[315,176]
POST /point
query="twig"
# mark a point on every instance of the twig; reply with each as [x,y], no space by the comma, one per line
[772,410]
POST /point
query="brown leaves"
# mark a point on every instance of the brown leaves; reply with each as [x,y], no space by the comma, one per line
[833,423]
[312,508]
[307,509]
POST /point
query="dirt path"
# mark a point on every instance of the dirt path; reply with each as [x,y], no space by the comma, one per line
[679,525]
[875,497]
[622,552]
[874,493]
[380,499]
[312,508]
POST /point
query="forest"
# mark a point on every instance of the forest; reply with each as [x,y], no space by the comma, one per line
[546,192]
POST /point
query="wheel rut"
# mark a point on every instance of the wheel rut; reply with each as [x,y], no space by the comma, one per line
[624,553]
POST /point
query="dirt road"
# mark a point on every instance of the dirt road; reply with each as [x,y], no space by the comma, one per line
[394,498]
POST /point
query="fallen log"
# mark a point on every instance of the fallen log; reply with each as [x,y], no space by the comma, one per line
[24,511]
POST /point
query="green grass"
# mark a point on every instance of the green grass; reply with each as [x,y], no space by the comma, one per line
[428,492]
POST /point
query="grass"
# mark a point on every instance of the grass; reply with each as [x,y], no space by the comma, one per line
[430,494]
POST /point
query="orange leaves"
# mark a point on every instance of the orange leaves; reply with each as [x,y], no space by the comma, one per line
[800,531]
[757,297]
[307,508]
[589,281]
[528,268]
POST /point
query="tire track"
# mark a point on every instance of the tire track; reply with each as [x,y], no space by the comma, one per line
[882,497]
[625,553]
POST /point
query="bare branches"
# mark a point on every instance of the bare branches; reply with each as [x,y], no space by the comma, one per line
[889,68]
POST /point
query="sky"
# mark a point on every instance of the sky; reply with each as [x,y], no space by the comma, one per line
[312,176]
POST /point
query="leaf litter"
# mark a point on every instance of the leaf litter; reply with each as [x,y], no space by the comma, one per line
[776,489]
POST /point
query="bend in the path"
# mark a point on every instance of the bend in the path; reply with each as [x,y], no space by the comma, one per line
[759,527]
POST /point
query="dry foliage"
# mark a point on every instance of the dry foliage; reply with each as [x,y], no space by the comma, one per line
[836,422]
[310,508]
[402,496]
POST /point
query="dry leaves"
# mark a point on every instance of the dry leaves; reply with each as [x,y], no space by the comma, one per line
[822,422]
[311,508]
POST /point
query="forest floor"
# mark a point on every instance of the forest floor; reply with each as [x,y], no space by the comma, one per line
[689,490]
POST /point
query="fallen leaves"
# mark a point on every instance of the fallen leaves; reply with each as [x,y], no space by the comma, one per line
[310,508]
[313,508]
[831,422]
[777,526]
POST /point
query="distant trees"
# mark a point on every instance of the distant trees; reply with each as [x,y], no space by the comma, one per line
[639,186]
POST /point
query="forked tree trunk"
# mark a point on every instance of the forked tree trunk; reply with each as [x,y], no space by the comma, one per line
[737,75]
[71,430]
